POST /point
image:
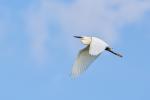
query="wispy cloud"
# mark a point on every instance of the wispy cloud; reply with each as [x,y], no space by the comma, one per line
[5,21]
[36,27]
[103,18]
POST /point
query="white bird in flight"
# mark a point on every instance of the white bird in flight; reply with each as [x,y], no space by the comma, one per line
[87,55]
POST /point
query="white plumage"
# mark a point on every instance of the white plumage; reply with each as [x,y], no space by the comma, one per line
[97,46]
[84,59]
[86,56]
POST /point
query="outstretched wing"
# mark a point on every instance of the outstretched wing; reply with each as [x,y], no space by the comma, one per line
[84,59]
[97,46]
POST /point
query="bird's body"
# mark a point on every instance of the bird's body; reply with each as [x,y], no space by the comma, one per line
[86,56]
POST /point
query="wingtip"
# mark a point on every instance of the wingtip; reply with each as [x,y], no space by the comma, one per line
[73,76]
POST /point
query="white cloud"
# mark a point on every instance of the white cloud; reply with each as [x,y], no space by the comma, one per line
[36,28]
[103,18]
[98,17]
[5,22]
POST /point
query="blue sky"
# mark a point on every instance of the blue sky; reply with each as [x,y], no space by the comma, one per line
[38,50]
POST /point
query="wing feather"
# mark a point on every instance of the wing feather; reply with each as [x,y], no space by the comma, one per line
[97,46]
[84,59]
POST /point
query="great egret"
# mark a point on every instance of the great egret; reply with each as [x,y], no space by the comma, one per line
[86,56]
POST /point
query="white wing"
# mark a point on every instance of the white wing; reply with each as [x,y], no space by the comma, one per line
[97,46]
[82,62]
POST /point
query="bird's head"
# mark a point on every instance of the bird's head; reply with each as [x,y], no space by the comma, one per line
[84,39]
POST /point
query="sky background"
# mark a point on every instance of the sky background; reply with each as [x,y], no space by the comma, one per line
[37,49]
